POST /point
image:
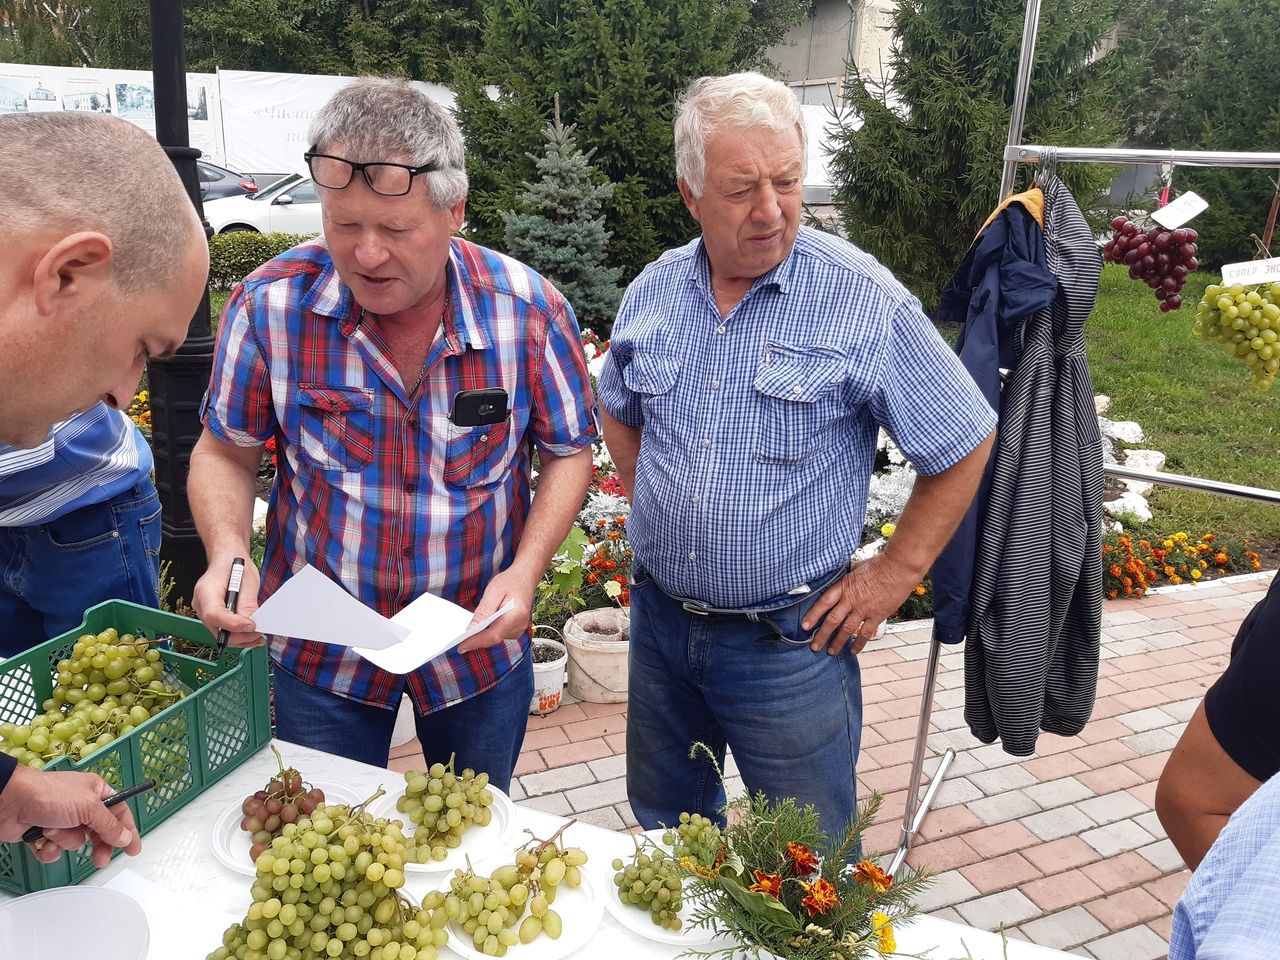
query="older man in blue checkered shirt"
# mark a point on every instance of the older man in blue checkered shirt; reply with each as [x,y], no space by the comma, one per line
[749,374]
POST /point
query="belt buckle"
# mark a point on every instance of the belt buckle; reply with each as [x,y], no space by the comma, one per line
[691,607]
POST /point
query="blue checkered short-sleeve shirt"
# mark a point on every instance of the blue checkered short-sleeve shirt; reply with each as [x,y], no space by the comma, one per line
[759,428]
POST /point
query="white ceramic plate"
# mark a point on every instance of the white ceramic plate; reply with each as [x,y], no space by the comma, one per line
[579,907]
[231,844]
[74,922]
[477,842]
[637,920]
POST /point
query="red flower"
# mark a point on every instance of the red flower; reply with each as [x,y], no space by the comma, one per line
[820,896]
[769,883]
[803,860]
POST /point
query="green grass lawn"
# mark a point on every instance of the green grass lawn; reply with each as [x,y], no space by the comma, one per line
[1194,404]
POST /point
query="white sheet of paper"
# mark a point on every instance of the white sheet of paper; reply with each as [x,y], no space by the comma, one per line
[436,625]
[310,606]
[176,922]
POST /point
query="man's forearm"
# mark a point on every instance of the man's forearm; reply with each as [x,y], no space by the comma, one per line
[220,487]
[934,510]
[562,488]
[623,443]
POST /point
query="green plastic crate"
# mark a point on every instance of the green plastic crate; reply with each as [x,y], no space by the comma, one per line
[186,747]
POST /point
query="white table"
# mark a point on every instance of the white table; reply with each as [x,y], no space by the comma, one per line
[178,857]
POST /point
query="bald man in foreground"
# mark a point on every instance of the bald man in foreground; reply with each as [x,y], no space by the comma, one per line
[104,263]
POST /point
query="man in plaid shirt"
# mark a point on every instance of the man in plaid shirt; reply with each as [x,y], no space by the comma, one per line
[362,354]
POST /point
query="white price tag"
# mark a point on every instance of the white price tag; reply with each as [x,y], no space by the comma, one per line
[1181,210]
[1252,271]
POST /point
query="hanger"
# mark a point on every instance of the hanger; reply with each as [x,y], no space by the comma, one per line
[1048,168]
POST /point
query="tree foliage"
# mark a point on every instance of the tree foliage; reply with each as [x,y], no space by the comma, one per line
[617,66]
[917,166]
[419,39]
[1210,84]
[559,231]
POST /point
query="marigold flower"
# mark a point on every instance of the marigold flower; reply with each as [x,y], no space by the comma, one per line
[803,860]
[820,896]
[920,590]
[770,883]
[884,932]
[887,530]
[1114,570]
[1195,574]
[867,872]
[1221,559]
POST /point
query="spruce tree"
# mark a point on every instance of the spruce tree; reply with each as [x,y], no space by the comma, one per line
[918,176]
[559,231]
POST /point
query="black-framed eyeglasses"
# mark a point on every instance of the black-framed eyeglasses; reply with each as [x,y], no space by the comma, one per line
[388,179]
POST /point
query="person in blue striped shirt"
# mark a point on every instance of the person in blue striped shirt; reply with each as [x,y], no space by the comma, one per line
[104,263]
[749,374]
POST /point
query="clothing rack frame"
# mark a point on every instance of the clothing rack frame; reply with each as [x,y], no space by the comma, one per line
[1016,152]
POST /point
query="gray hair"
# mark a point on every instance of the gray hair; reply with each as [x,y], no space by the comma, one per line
[383,119]
[112,178]
[737,100]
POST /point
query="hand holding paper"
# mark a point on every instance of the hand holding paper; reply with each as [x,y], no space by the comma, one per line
[310,606]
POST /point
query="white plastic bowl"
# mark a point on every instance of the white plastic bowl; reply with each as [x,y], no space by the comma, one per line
[74,922]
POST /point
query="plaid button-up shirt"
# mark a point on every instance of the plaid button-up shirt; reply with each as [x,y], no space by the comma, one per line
[383,493]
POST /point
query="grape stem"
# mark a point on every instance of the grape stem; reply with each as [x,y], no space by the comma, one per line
[543,844]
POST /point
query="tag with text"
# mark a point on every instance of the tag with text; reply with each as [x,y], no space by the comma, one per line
[1180,211]
[1252,271]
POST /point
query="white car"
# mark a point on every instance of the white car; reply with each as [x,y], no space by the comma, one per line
[287,206]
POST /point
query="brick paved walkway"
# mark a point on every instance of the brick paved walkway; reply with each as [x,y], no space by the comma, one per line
[1063,849]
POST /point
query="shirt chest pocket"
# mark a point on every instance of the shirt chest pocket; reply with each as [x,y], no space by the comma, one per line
[335,426]
[478,456]
[651,376]
[798,400]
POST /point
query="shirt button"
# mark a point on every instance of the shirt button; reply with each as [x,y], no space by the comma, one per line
[693,554]
[407,551]
[715,384]
[720,329]
[484,438]
[797,390]
[706,442]
[696,498]
[409,486]
[413,423]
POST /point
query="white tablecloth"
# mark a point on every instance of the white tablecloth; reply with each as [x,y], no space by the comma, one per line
[190,896]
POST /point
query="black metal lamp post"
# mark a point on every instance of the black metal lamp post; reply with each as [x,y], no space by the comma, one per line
[177,385]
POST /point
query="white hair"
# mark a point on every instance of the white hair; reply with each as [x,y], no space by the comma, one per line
[112,178]
[709,104]
[383,119]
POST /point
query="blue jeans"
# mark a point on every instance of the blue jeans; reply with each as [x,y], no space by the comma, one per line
[51,573]
[792,717]
[485,731]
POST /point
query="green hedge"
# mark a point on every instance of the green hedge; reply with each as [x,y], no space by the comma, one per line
[233,256]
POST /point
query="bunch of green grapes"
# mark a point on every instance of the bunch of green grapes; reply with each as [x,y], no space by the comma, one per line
[652,882]
[1246,321]
[493,909]
[329,887]
[109,684]
[697,838]
[442,805]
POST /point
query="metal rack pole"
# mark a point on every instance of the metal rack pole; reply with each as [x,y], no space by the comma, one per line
[1017,153]
[1021,87]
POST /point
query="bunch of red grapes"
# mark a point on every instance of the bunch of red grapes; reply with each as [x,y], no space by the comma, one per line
[1159,257]
[285,799]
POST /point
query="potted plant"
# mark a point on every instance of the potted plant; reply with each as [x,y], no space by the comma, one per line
[549,660]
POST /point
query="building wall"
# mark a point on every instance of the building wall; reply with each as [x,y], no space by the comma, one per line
[818,47]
